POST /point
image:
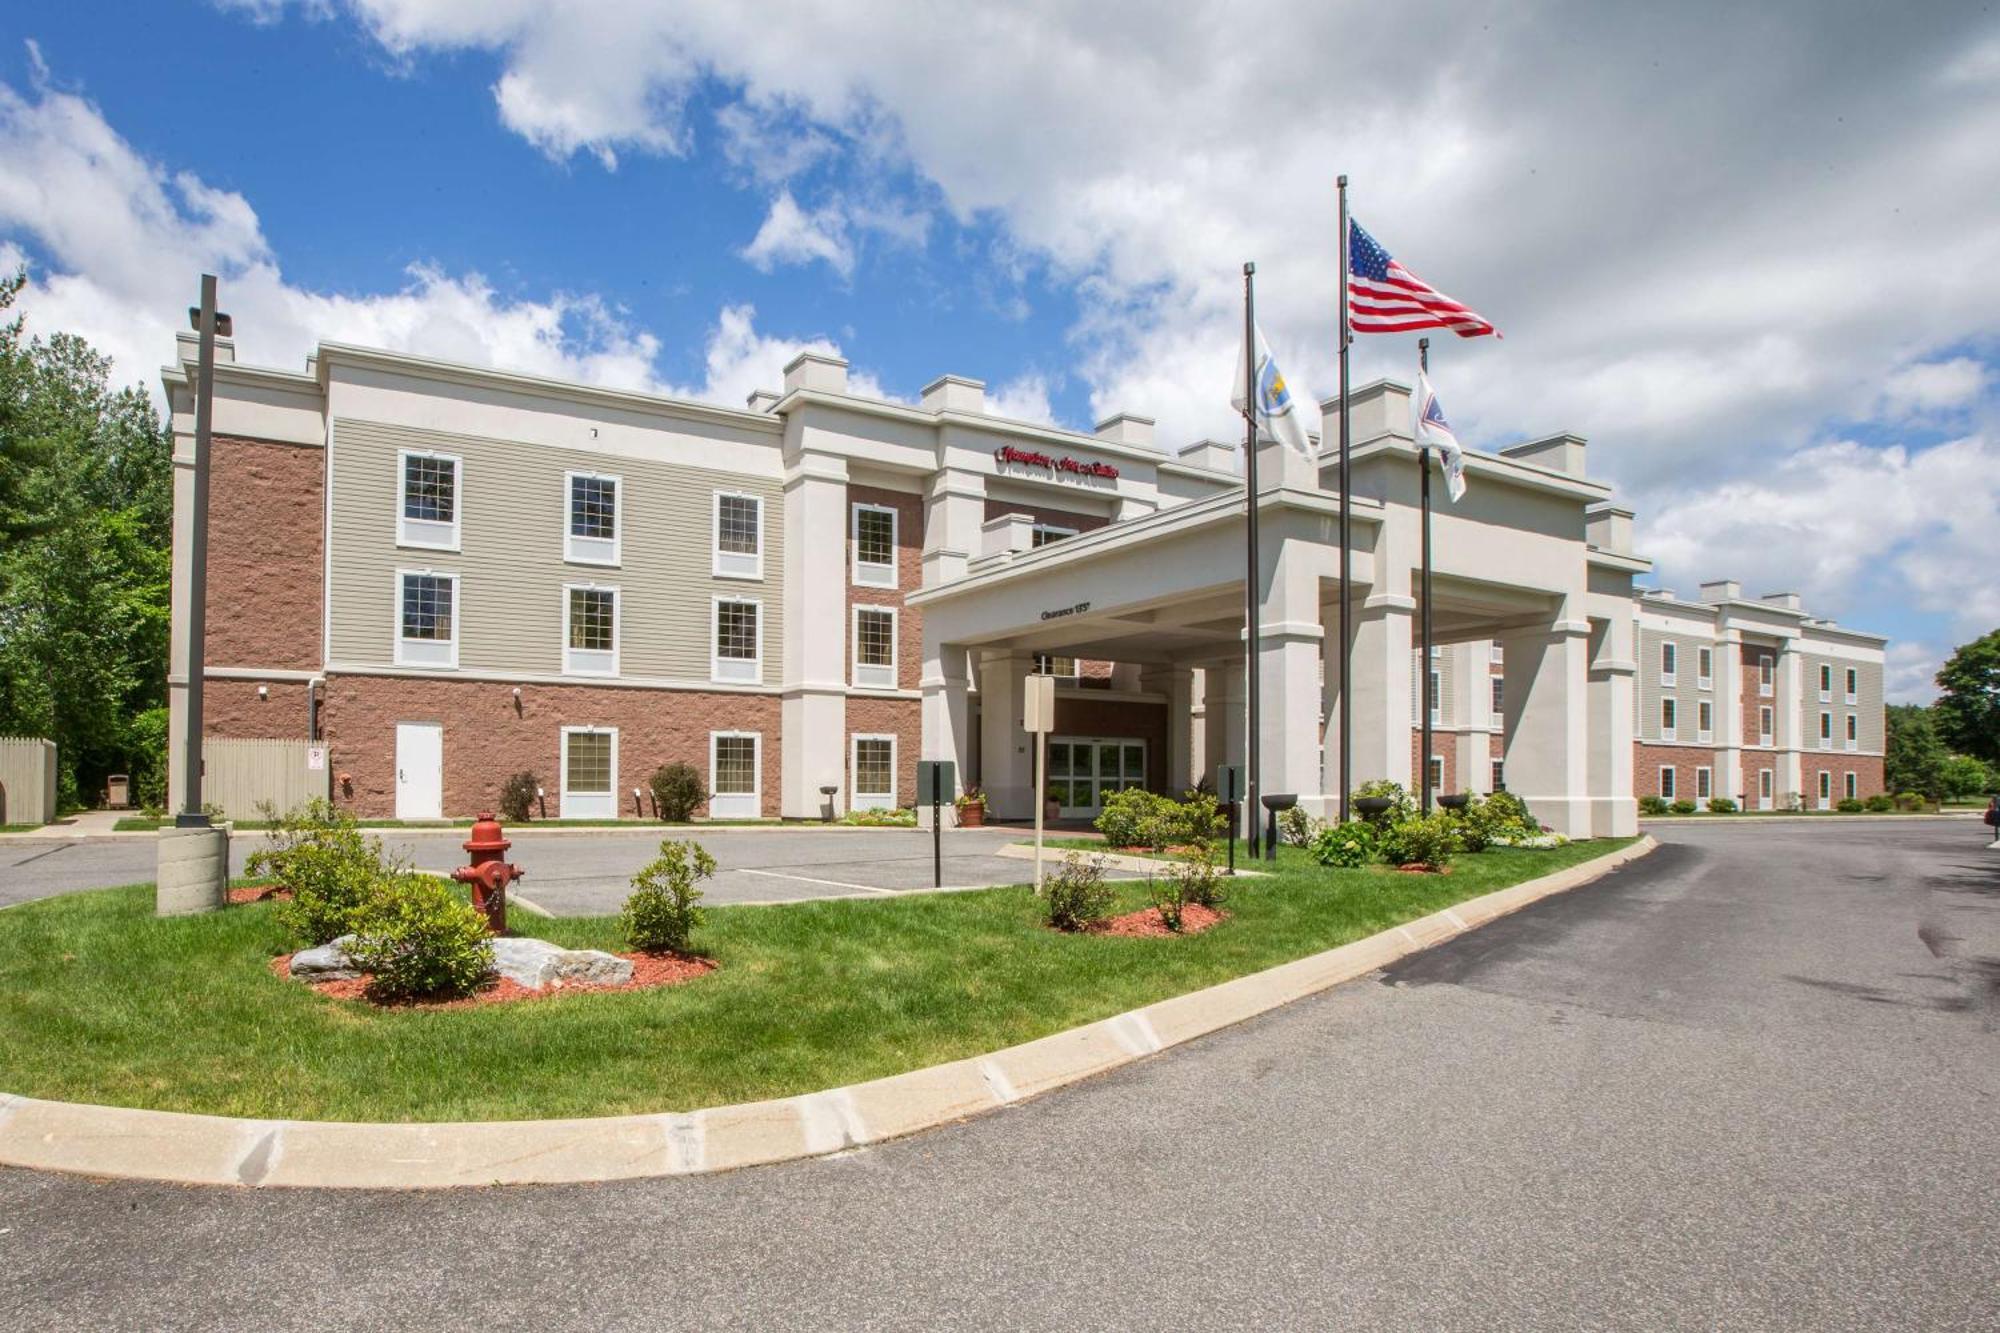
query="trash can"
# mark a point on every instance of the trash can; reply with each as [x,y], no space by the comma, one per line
[118,791]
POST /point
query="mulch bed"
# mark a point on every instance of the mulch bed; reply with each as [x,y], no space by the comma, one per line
[1422,868]
[648,971]
[1147,922]
[258,893]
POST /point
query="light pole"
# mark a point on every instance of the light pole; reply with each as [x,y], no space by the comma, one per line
[207,322]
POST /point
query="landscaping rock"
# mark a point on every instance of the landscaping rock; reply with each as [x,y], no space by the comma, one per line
[537,964]
[328,962]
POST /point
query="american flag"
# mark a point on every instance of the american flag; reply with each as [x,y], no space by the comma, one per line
[1385,297]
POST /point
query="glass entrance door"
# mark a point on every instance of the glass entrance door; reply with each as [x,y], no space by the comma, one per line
[1085,770]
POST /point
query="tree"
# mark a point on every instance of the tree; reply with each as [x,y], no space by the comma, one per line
[1915,758]
[1965,778]
[1968,705]
[86,513]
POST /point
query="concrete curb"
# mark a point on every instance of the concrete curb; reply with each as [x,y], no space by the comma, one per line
[218,1150]
[1755,819]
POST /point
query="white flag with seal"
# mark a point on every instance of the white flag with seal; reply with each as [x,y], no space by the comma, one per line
[1277,411]
[1433,430]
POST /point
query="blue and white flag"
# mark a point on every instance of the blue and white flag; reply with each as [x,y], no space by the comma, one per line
[1278,413]
[1433,430]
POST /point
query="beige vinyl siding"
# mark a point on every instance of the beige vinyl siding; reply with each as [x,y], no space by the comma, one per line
[1685,691]
[1446,663]
[1867,706]
[513,516]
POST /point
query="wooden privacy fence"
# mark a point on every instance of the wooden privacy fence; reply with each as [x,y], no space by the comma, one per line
[239,774]
[27,780]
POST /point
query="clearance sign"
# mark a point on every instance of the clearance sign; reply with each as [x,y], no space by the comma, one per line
[1065,465]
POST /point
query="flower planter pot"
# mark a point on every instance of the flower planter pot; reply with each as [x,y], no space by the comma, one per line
[1455,801]
[1372,805]
[972,815]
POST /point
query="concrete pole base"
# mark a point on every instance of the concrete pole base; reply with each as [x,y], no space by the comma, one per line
[193,873]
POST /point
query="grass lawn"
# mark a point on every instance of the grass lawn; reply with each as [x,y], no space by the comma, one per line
[20,828]
[101,1002]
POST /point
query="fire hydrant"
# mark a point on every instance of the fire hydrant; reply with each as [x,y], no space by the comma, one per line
[490,872]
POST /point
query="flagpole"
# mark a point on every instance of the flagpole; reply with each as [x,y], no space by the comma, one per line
[1250,579]
[1424,461]
[1346,542]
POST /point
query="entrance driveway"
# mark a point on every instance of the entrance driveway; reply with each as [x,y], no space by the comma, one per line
[588,872]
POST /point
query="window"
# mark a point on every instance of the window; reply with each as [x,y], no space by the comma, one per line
[1825,789]
[593,519]
[738,653]
[1763,789]
[1764,726]
[1436,696]
[1853,685]
[1704,721]
[1434,771]
[1852,787]
[874,778]
[427,508]
[1437,651]
[1499,695]
[875,646]
[1853,733]
[1825,682]
[1667,791]
[1496,654]
[1767,674]
[1048,665]
[734,775]
[874,546]
[1499,775]
[589,772]
[1703,781]
[1669,716]
[739,536]
[1704,668]
[427,625]
[590,630]
[1826,731]
[1669,660]
[1044,533]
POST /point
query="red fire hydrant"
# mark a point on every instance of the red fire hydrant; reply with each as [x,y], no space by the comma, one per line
[490,872]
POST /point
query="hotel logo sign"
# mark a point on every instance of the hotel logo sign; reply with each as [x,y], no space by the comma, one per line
[1058,466]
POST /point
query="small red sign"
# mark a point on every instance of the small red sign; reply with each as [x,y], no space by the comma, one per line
[1007,453]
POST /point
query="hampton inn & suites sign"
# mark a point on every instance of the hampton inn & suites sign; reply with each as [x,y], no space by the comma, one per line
[1007,455]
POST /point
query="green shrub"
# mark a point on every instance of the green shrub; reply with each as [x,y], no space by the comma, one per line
[146,750]
[1849,806]
[420,940]
[1169,895]
[1881,803]
[1403,807]
[1125,816]
[1346,846]
[1296,828]
[1682,807]
[1198,881]
[665,906]
[1497,818]
[1078,896]
[1202,820]
[1909,800]
[903,818]
[1721,805]
[331,868]
[1506,805]
[517,797]
[1420,840]
[677,790]
[1652,805]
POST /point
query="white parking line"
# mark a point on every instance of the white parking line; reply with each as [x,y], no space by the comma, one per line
[808,879]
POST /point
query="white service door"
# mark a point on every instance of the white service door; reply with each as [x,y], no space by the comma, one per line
[419,770]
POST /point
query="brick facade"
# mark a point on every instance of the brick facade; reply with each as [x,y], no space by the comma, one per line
[1444,744]
[487,737]
[901,718]
[1648,759]
[909,576]
[1867,770]
[231,709]
[266,544]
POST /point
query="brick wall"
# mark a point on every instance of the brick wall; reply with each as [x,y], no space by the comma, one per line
[909,577]
[1648,759]
[901,718]
[1444,744]
[1754,701]
[486,738]
[1867,770]
[266,521]
[231,709]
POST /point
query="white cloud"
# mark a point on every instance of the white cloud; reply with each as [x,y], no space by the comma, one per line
[1023,399]
[1910,673]
[1930,387]
[790,235]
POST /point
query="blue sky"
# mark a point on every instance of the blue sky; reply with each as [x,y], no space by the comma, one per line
[1752,252]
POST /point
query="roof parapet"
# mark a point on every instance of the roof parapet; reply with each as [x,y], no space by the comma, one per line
[1127,428]
[816,370]
[954,393]
[1562,453]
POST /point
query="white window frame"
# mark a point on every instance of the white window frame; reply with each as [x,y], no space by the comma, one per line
[1498,695]
[866,676]
[1853,737]
[1851,784]
[1704,721]
[1435,766]
[1704,783]
[427,652]
[1767,675]
[735,564]
[1853,685]
[1670,662]
[737,805]
[869,800]
[870,575]
[1670,730]
[593,661]
[1826,682]
[429,534]
[1496,653]
[1826,789]
[1704,668]
[1767,724]
[1048,532]
[1766,788]
[594,550]
[734,670]
[1075,671]
[587,805]
[1669,789]
[1825,730]
[1434,679]
[1498,774]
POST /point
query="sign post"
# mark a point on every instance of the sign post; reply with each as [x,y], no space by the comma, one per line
[1229,781]
[1038,718]
[936,777]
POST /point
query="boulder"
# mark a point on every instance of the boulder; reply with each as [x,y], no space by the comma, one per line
[538,964]
[328,962]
